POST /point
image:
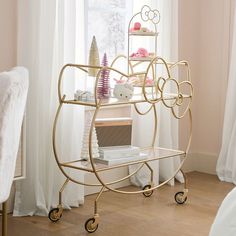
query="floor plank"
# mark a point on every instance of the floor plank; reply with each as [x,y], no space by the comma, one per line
[134,215]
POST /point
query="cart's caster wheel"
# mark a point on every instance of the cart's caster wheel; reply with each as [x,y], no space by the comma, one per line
[90,226]
[179,198]
[54,215]
[148,193]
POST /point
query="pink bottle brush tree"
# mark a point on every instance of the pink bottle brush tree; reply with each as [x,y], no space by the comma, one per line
[103,89]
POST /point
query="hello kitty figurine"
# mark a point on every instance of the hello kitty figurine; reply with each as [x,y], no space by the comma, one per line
[123,91]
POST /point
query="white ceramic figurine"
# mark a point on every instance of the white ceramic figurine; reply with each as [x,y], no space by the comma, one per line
[123,91]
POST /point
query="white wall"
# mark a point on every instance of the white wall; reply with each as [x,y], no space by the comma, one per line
[8,34]
[204,41]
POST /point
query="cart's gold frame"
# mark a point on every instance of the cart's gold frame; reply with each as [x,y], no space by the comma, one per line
[156,95]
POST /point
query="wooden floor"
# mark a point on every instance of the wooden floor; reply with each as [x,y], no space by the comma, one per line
[129,215]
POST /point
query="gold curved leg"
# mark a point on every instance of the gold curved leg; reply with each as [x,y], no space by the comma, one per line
[151,170]
[96,201]
[181,197]
[91,224]
[96,215]
[55,214]
[60,196]
[185,183]
[61,190]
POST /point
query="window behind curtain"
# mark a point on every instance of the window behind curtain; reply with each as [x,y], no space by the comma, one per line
[107,20]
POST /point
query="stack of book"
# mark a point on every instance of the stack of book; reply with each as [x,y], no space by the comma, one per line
[119,154]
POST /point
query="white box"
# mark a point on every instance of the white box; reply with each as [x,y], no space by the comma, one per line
[116,152]
[141,156]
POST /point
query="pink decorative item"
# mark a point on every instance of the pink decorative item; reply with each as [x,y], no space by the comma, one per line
[142,52]
[103,89]
[137,26]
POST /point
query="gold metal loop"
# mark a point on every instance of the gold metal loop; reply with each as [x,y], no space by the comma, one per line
[124,57]
[142,113]
[151,65]
[147,14]
[176,94]
[181,99]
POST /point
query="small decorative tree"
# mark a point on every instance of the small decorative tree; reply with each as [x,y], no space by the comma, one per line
[103,89]
[93,58]
[94,141]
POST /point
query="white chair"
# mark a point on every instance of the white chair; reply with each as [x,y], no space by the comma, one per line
[225,220]
[13,94]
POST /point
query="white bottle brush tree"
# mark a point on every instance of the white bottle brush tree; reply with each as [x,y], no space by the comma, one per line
[93,58]
[94,141]
[103,89]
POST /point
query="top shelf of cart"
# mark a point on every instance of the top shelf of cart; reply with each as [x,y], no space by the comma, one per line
[143,34]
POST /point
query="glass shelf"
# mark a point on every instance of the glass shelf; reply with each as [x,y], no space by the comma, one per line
[143,34]
[141,58]
[112,101]
[152,154]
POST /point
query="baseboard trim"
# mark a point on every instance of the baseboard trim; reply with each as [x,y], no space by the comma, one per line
[201,162]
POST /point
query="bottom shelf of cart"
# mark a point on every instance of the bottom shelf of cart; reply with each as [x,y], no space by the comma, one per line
[147,155]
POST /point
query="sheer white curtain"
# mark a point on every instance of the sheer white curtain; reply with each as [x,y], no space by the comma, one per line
[226,165]
[47,39]
[167,124]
